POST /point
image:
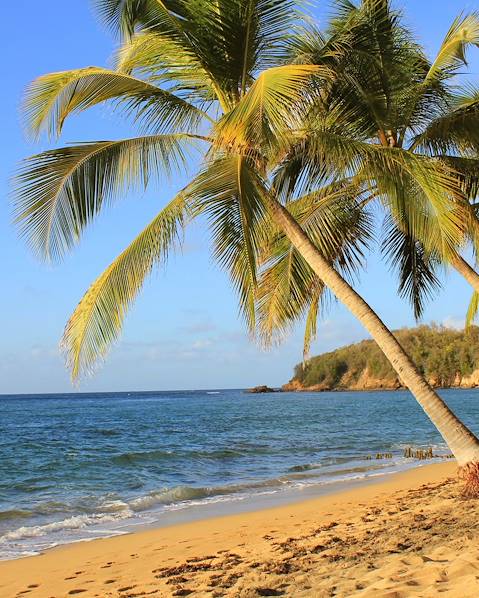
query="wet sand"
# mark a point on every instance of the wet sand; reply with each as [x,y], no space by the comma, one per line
[408,535]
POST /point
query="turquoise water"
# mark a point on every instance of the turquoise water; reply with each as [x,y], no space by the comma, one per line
[75,467]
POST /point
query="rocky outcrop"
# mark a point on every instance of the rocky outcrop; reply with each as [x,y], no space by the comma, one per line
[366,381]
[296,386]
[470,381]
[260,390]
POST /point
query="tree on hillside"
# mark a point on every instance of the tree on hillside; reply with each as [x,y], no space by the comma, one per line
[217,76]
[443,355]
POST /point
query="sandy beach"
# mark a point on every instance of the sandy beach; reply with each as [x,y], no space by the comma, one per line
[408,535]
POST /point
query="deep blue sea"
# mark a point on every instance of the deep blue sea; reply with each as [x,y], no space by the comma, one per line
[80,466]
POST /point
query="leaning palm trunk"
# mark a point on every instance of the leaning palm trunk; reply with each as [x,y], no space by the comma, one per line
[462,442]
[467,272]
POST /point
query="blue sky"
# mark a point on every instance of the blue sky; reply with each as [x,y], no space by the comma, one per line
[184,330]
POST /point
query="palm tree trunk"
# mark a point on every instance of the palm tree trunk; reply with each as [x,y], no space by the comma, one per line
[472,277]
[462,442]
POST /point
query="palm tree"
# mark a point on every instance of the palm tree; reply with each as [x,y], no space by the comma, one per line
[211,75]
[386,92]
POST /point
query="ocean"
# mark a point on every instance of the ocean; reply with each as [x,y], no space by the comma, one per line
[81,466]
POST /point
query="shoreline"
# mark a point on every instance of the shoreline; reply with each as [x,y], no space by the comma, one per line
[237,554]
[312,389]
[193,510]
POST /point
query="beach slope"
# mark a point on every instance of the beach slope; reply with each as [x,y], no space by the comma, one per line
[409,535]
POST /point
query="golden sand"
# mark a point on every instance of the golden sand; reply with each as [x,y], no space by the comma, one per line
[411,535]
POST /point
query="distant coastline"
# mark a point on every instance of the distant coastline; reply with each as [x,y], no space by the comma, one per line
[291,386]
[447,358]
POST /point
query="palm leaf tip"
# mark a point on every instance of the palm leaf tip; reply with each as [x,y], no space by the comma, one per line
[452,53]
[472,309]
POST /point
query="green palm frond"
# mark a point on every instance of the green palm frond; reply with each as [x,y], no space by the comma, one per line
[60,191]
[288,288]
[230,39]
[97,320]
[126,16]
[336,223]
[255,36]
[229,192]
[121,15]
[159,60]
[456,131]
[466,170]
[51,98]
[388,169]
[311,323]
[418,280]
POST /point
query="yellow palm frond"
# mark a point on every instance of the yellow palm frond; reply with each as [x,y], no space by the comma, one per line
[98,318]
[272,105]
[51,98]
[472,309]
[464,31]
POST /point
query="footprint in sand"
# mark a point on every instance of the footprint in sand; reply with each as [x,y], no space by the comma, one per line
[79,591]
[268,592]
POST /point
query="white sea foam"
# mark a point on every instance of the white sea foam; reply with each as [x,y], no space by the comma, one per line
[113,506]
[71,523]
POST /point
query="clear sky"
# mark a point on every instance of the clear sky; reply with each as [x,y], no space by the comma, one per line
[184,331]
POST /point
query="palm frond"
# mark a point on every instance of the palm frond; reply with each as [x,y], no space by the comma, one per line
[51,98]
[388,169]
[311,324]
[467,171]
[463,32]
[229,193]
[418,281]
[255,34]
[159,59]
[472,309]
[455,131]
[271,106]
[126,16]
[121,15]
[288,288]
[97,320]
[60,191]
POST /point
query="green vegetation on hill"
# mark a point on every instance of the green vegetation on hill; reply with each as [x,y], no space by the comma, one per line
[440,353]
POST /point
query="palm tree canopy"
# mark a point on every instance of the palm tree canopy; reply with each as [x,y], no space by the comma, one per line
[294,116]
[388,94]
